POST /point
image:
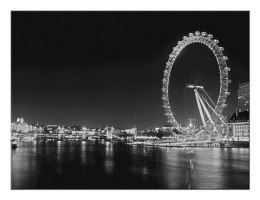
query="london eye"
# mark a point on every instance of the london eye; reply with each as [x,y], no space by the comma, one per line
[215,116]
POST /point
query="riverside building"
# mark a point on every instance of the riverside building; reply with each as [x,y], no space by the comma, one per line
[239,127]
[243,97]
[21,126]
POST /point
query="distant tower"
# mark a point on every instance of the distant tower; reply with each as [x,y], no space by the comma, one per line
[22,121]
[243,97]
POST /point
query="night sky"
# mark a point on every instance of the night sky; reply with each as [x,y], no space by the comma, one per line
[105,68]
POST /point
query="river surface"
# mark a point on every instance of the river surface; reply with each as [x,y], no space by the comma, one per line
[104,165]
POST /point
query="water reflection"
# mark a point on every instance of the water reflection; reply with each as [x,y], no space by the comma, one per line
[90,165]
[190,176]
[109,164]
[236,161]
[83,152]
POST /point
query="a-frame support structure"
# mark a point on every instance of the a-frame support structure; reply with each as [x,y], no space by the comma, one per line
[203,105]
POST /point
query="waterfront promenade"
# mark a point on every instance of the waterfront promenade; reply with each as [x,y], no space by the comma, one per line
[140,141]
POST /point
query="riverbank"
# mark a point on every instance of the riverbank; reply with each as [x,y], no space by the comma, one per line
[158,143]
[206,144]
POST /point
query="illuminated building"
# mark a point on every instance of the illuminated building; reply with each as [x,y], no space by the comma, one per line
[239,127]
[131,131]
[166,128]
[239,130]
[21,126]
[51,129]
[243,97]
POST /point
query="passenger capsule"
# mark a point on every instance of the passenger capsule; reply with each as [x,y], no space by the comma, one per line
[203,33]
[221,48]
[191,34]
[197,33]
[225,57]
[210,36]
[227,69]
[228,80]
[184,37]
[216,41]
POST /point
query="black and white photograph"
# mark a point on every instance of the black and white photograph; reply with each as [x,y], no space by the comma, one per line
[151,100]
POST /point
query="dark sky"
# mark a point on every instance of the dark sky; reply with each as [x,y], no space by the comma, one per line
[105,68]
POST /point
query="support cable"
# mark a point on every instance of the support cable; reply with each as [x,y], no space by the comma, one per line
[214,112]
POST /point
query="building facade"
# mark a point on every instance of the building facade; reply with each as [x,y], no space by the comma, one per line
[239,130]
[21,126]
[51,129]
[243,97]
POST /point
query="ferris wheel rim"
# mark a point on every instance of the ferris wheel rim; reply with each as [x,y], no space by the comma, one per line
[212,44]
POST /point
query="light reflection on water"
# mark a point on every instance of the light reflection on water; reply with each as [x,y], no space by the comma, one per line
[109,158]
[88,165]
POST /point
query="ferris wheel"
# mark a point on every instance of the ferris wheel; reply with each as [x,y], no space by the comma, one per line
[212,44]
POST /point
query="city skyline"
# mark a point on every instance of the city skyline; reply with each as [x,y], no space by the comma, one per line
[130,100]
[99,68]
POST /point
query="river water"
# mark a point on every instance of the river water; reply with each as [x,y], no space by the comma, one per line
[104,165]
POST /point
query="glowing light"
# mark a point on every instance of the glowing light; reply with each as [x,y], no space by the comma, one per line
[194,86]
[204,33]
[221,48]
[225,57]
[227,69]
[210,36]
[197,33]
